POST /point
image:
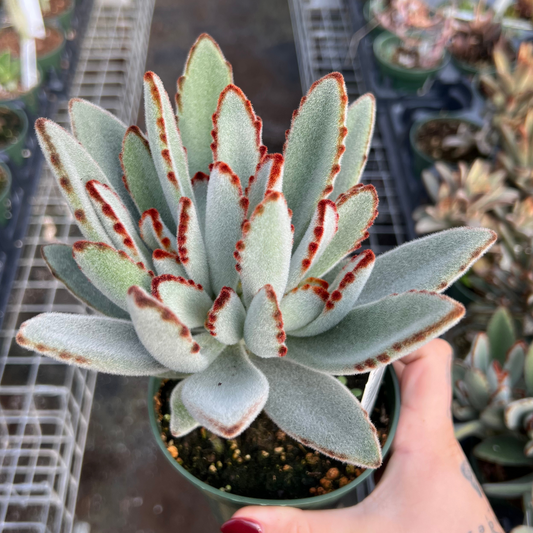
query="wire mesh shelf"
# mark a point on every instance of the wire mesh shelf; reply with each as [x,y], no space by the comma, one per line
[322,31]
[45,405]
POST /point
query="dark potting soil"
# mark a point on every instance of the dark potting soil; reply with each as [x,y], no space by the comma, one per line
[477,48]
[429,140]
[9,40]
[57,7]
[493,473]
[10,126]
[263,462]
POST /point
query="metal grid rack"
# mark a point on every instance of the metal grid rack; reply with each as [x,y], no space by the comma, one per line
[45,405]
[322,32]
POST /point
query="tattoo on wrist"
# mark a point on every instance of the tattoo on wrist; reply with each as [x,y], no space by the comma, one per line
[469,476]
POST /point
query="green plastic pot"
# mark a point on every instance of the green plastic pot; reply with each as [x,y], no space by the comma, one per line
[402,78]
[52,60]
[5,195]
[471,70]
[224,504]
[64,20]
[421,160]
[14,150]
[30,99]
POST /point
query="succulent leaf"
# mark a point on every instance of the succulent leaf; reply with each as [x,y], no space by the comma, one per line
[226,208]
[263,328]
[155,233]
[268,177]
[509,489]
[360,123]
[181,422]
[200,182]
[463,413]
[501,334]
[479,355]
[165,142]
[140,176]
[477,388]
[514,362]
[505,450]
[101,134]
[377,334]
[357,210]
[314,146]
[191,248]
[73,167]
[225,320]
[264,253]
[117,222]
[167,263]
[302,305]
[319,234]
[237,134]
[205,76]
[164,335]
[110,271]
[344,291]
[516,411]
[103,344]
[492,417]
[59,259]
[186,299]
[320,412]
[227,397]
[431,263]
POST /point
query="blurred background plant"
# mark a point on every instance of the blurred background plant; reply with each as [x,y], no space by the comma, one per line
[424,32]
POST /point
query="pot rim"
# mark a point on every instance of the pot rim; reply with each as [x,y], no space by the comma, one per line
[301,503]
[417,124]
[25,124]
[387,36]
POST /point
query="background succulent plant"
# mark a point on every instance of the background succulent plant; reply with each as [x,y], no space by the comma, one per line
[466,196]
[232,268]
[493,389]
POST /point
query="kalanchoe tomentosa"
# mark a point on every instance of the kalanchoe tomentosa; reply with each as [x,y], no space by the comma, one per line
[238,305]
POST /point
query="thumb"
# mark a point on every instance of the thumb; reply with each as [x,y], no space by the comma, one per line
[290,520]
[426,394]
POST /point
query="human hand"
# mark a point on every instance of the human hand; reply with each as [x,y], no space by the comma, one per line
[428,485]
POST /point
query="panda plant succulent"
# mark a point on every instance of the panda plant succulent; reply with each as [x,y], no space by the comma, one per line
[232,268]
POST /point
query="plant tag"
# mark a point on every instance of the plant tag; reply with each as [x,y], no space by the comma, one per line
[370,393]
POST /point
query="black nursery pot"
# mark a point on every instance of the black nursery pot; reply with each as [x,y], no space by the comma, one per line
[224,504]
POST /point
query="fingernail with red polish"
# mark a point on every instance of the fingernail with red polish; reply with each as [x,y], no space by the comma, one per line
[241,525]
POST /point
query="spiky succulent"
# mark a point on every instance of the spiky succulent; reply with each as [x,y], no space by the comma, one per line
[466,196]
[239,305]
[493,390]
[510,88]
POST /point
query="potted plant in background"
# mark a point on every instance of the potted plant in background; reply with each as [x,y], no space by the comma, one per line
[449,138]
[227,275]
[58,12]
[13,132]
[415,49]
[5,194]
[10,84]
[493,388]
[49,50]
[473,42]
